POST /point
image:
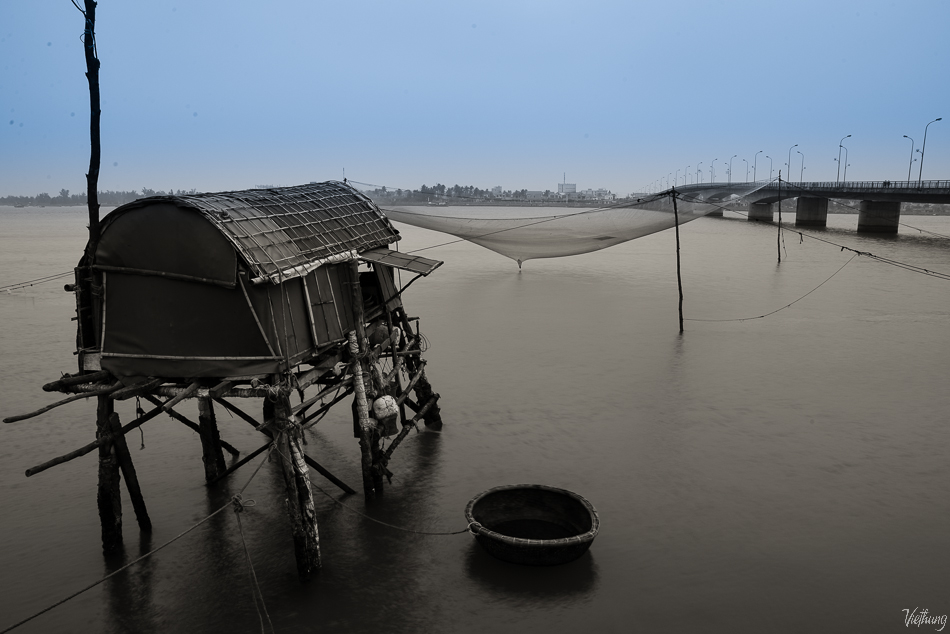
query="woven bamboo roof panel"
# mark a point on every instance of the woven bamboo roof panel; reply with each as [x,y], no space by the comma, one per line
[284,232]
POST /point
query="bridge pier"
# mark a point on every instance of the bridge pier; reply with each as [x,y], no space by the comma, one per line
[811,212]
[760,212]
[879,216]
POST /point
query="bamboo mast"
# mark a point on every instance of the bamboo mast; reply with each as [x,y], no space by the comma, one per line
[679,278]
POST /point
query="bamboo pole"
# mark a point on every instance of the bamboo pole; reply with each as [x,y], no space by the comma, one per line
[82,451]
[124,458]
[299,500]
[77,397]
[211,454]
[108,498]
[679,279]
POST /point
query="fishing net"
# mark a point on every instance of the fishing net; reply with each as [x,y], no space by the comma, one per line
[523,238]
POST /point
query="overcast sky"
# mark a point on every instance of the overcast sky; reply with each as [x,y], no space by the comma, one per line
[228,95]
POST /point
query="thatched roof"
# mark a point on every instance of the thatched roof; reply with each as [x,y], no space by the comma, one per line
[286,231]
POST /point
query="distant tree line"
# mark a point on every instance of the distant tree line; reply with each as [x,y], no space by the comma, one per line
[107,198]
[440,192]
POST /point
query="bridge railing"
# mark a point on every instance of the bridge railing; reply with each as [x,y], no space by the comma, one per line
[864,185]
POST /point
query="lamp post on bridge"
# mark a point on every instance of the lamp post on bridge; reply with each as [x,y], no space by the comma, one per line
[839,157]
[802,173]
[712,171]
[845,178]
[924,149]
[746,170]
[770,165]
[730,166]
[788,174]
[699,172]
[756,164]
[910,162]
[686,176]
[676,181]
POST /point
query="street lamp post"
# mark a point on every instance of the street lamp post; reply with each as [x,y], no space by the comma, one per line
[802,173]
[839,157]
[712,171]
[746,170]
[730,166]
[676,181]
[756,163]
[770,165]
[790,159]
[686,176]
[924,149]
[699,172]
[910,162]
[845,177]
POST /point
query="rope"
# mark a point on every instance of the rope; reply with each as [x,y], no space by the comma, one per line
[39,280]
[148,554]
[256,595]
[467,529]
[787,305]
[904,265]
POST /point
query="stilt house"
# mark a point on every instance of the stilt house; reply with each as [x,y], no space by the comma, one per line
[248,294]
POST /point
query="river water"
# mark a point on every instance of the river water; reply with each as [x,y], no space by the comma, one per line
[785,474]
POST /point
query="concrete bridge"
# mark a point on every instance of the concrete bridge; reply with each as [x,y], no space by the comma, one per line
[879,210]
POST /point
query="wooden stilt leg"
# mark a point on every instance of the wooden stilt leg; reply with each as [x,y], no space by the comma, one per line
[300,508]
[211,453]
[423,390]
[366,424]
[433,418]
[108,498]
[124,458]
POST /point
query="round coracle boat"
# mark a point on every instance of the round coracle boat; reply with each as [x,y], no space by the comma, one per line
[532,524]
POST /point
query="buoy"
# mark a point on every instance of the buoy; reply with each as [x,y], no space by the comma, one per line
[386,412]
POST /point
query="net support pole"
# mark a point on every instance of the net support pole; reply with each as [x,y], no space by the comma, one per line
[778,239]
[679,277]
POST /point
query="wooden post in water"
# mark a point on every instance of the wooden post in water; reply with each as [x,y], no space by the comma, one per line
[124,458]
[679,278]
[108,498]
[92,177]
[211,451]
[778,239]
[300,508]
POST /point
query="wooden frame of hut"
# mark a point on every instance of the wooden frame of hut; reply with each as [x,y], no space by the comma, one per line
[248,294]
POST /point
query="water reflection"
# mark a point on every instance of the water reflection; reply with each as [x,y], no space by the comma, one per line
[572,582]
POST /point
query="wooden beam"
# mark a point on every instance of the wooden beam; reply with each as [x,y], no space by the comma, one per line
[188,391]
[190,424]
[136,390]
[76,379]
[410,425]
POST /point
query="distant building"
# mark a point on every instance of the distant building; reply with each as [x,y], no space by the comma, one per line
[496,191]
[535,195]
[597,194]
[567,188]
